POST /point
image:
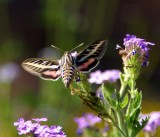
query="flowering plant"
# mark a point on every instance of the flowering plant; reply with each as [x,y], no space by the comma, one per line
[121,107]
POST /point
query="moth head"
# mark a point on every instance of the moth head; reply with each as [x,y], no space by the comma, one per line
[66,53]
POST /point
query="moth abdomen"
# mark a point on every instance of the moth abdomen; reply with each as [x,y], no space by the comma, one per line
[67,75]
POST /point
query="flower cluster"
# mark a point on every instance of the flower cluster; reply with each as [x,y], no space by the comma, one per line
[88,120]
[136,47]
[134,55]
[36,129]
[99,77]
[153,122]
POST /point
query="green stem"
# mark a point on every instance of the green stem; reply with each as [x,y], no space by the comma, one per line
[132,88]
[122,89]
[124,82]
[120,131]
[121,122]
[132,98]
[115,124]
[129,107]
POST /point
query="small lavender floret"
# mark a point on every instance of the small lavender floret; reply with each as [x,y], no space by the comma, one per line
[42,131]
[86,121]
[39,119]
[99,77]
[96,77]
[9,72]
[23,127]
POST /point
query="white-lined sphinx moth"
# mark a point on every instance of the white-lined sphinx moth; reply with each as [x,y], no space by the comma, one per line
[68,65]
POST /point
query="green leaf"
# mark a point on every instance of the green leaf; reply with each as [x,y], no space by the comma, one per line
[134,124]
[122,77]
[134,117]
[124,102]
[109,89]
[136,103]
[138,126]
[108,94]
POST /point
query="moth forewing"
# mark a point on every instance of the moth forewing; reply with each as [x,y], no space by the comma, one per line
[89,58]
[97,49]
[93,50]
[103,44]
[44,68]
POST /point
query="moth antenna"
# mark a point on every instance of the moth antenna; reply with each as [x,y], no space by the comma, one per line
[77,47]
[57,48]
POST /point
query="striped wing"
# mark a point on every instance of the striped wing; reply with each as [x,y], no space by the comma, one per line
[87,59]
[44,68]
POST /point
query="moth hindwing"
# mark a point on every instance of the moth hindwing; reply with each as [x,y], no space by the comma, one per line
[68,65]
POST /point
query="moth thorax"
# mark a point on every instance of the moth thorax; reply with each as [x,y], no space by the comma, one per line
[67,59]
[67,74]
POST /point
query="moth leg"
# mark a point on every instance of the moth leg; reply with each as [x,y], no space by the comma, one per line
[77,76]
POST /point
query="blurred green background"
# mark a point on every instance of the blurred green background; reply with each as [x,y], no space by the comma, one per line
[29,27]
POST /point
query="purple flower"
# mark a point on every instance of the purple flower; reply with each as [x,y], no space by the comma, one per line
[99,94]
[99,77]
[57,131]
[104,131]
[96,77]
[86,121]
[39,119]
[42,131]
[111,75]
[9,72]
[153,122]
[23,127]
[135,47]
[38,130]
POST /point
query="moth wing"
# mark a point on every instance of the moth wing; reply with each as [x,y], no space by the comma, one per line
[89,58]
[44,68]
